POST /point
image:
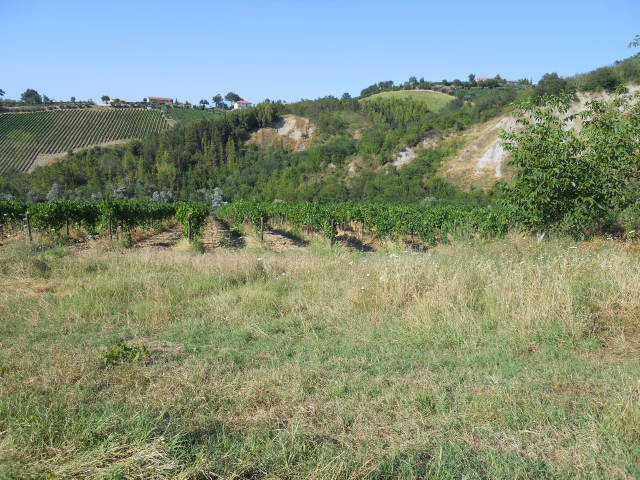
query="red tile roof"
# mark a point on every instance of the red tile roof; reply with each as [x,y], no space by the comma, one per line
[245,102]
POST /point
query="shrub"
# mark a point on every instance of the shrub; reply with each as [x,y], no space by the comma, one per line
[574,178]
[605,78]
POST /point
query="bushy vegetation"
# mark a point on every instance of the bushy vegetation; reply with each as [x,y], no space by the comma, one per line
[579,172]
[552,84]
[454,86]
[610,77]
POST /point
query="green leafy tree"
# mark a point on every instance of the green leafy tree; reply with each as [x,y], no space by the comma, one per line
[232,97]
[551,84]
[73,99]
[230,151]
[635,42]
[31,96]
[1,93]
[105,98]
[605,78]
[265,114]
[204,102]
[218,101]
[574,172]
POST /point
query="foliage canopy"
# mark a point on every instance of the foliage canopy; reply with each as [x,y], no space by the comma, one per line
[575,171]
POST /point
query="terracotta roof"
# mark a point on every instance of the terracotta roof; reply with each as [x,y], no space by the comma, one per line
[160,99]
[245,102]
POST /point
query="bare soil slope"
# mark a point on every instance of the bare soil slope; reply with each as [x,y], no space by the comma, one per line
[481,160]
[291,131]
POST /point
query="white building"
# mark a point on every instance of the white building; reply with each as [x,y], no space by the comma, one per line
[240,104]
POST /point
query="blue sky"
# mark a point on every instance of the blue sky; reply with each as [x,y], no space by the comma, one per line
[296,49]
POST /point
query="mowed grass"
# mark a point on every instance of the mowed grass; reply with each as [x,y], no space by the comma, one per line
[435,100]
[486,360]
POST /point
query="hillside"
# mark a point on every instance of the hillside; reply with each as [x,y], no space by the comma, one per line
[352,143]
[435,100]
[30,139]
[480,160]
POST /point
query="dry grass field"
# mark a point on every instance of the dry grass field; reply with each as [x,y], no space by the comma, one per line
[483,360]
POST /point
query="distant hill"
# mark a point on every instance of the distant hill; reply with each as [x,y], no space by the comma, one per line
[30,139]
[435,100]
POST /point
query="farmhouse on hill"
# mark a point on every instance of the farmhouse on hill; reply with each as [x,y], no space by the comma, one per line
[166,101]
[240,104]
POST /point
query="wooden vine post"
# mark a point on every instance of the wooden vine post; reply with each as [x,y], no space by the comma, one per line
[333,232]
[110,228]
[261,229]
[190,235]
[28,219]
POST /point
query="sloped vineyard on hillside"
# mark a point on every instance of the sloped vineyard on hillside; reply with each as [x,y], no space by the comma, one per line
[24,136]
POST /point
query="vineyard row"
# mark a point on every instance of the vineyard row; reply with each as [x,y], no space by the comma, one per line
[52,217]
[429,224]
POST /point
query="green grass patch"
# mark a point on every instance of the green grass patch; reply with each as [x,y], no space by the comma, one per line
[186,115]
[435,100]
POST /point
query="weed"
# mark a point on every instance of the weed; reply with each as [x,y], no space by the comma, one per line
[121,353]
